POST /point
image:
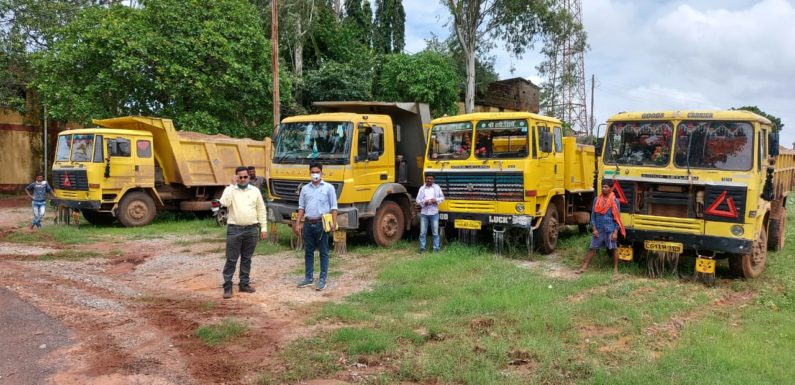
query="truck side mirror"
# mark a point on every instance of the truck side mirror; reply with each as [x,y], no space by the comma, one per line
[599,145]
[772,144]
[544,141]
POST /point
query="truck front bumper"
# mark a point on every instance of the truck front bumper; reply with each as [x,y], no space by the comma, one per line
[698,243]
[282,212]
[79,205]
[522,221]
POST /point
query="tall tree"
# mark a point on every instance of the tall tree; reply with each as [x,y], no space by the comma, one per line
[389,26]
[777,124]
[359,17]
[210,72]
[485,73]
[427,77]
[517,23]
[300,18]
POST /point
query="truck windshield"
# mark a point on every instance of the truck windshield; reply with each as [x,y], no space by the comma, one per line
[450,141]
[501,139]
[713,144]
[82,147]
[305,141]
[64,148]
[639,143]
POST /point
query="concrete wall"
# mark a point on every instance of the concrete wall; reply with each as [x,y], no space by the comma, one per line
[20,150]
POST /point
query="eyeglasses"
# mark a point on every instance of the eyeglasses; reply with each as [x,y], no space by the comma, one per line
[243,177]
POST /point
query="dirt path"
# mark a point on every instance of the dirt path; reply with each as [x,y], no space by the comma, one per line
[133,317]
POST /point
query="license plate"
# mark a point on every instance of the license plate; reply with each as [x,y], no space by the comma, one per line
[466,224]
[624,253]
[668,247]
[705,265]
[293,216]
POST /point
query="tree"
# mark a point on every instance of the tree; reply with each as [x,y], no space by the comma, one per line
[339,81]
[389,27]
[517,23]
[484,65]
[777,124]
[300,18]
[426,77]
[359,17]
[204,64]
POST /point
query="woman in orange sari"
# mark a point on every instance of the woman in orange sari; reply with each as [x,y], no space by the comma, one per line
[606,224]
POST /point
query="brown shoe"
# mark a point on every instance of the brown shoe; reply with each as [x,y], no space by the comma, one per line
[228,292]
[246,289]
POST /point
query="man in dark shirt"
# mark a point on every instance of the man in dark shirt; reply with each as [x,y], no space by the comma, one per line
[38,191]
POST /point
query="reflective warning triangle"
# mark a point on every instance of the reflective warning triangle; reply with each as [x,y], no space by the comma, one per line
[715,211]
[622,199]
[66,181]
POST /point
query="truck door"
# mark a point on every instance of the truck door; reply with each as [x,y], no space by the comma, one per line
[119,163]
[546,162]
[371,161]
[144,163]
[557,138]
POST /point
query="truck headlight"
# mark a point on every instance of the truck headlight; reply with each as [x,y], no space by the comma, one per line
[520,207]
[737,230]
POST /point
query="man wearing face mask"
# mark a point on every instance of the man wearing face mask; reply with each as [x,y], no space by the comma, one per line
[246,220]
[316,199]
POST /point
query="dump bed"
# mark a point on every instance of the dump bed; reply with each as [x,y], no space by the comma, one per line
[579,165]
[194,159]
[784,173]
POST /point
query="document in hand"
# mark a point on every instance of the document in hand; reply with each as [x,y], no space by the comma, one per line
[327,222]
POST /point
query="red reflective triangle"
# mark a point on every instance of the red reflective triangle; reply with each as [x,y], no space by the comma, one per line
[66,181]
[622,199]
[713,208]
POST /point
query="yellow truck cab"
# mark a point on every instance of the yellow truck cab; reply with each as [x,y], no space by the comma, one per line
[510,171]
[709,183]
[371,153]
[128,168]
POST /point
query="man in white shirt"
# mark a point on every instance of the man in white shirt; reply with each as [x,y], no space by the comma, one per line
[246,218]
[429,197]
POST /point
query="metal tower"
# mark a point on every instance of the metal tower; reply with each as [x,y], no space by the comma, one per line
[566,75]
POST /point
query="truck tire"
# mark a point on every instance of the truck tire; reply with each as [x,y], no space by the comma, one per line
[777,232]
[98,218]
[751,264]
[136,208]
[388,224]
[548,232]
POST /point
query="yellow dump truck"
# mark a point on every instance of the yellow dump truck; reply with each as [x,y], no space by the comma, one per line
[371,153]
[510,171]
[712,184]
[129,168]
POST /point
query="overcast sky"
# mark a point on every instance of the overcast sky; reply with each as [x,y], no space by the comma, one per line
[667,55]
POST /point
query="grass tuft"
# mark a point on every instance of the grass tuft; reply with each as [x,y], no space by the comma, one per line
[217,334]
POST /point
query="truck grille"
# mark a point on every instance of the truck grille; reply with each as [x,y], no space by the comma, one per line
[481,186]
[76,180]
[667,224]
[472,207]
[289,189]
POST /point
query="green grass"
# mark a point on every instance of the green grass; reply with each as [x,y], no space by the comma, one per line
[224,331]
[70,255]
[464,316]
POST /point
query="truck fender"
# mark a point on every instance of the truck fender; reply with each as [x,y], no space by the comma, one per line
[381,193]
[552,194]
[158,202]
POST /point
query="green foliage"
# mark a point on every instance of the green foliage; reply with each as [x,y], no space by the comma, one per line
[359,17]
[485,73]
[227,329]
[426,77]
[339,81]
[206,65]
[389,27]
[777,124]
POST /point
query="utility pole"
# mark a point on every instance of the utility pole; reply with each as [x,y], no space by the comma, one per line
[275,65]
[45,142]
[593,81]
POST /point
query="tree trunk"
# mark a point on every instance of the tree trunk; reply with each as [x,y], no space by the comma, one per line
[337,9]
[469,101]
[298,57]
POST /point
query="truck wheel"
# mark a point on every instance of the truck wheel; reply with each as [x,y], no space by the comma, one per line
[136,209]
[778,229]
[751,264]
[388,224]
[97,218]
[548,232]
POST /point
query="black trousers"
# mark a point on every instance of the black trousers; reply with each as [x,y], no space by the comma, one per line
[240,243]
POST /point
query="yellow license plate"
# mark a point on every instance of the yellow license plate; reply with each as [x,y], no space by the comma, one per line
[704,265]
[624,253]
[466,224]
[668,247]
[293,216]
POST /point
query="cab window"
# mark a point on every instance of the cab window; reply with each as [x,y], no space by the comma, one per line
[143,149]
[558,140]
[119,147]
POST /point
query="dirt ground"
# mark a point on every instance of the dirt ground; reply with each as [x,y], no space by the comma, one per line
[132,318]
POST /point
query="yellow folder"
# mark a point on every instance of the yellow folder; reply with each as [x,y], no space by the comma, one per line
[327,222]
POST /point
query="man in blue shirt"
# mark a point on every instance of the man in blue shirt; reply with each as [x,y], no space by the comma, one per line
[316,199]
[38,191]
